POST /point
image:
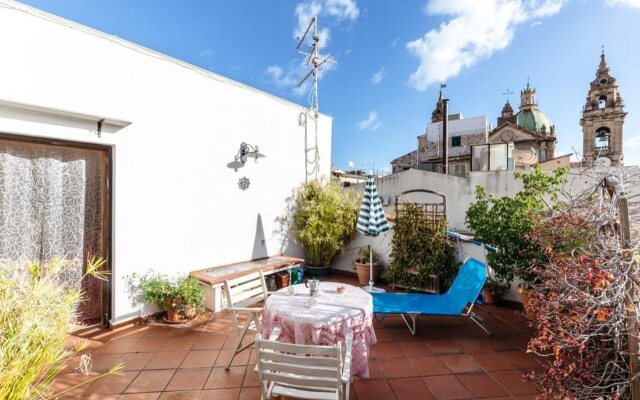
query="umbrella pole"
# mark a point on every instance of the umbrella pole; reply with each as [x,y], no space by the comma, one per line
[370,268]
[371,288]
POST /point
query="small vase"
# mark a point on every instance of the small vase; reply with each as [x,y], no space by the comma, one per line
[363,271]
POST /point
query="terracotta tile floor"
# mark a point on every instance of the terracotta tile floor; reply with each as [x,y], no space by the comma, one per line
[449,358]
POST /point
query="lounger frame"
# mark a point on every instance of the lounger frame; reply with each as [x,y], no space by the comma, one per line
[409,317]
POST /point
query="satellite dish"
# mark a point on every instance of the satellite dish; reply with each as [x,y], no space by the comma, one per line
[603,161]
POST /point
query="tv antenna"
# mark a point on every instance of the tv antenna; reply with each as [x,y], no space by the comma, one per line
[313,59]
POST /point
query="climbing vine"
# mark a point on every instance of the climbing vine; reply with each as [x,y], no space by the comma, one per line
[585,297]
[419,248]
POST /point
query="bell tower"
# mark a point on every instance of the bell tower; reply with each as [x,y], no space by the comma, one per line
[603,118]
[436,115]
[507,115]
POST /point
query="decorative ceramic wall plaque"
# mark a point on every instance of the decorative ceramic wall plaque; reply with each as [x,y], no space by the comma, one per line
[244,183]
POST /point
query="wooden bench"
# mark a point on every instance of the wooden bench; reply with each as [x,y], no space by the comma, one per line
[212,278]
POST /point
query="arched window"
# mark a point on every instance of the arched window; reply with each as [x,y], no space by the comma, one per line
[602,102]
[601,144]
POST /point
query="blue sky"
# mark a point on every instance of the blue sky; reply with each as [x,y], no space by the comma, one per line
[392,55]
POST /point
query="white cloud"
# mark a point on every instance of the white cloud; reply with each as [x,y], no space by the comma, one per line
[289,76]
[394,42]
[623,3]
[372,122]
[279,77]
[343,9]
[475,30]
[304,13]
[536,23]
[332,12]
[378,76]
[206,53]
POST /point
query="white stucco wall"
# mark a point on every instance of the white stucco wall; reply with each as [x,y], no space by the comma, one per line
[458,127]
[176,206]
[460,192]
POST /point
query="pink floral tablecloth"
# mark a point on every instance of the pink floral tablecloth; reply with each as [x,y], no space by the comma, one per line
[326,322]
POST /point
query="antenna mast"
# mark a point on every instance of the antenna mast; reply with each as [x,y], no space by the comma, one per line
[315,61]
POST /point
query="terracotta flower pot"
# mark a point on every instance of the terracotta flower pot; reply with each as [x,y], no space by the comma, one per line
[491,298]
[174,317]
[525,298]
[363,271]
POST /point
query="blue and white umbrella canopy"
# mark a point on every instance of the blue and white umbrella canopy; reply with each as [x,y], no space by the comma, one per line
[371,219]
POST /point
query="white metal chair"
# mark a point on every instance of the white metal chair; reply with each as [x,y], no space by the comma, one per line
[303,371]
[241,293]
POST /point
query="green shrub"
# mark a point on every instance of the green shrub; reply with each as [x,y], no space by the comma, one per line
[496,287]
[420,245]
[183,294]
[364,255]
[322,219]
[38,305]
[505,222]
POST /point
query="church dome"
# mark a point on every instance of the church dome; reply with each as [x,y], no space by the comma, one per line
[534,120]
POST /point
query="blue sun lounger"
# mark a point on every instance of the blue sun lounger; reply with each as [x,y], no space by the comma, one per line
[458,301]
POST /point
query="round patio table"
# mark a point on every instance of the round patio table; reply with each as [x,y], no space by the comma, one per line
[325,323]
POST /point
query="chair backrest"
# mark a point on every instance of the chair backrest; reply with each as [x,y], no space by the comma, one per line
[468,283]
[304,368]
[245,291]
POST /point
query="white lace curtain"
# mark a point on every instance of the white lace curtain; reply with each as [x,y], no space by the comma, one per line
[42,206]
[53,205]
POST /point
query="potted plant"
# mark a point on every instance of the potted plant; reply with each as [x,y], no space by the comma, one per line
[181,298]
[321,217]
[362,266]
[494,289]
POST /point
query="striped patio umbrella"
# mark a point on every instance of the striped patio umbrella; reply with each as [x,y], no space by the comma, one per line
[371,221]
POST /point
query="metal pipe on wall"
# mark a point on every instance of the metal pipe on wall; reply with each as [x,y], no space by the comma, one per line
[445,136]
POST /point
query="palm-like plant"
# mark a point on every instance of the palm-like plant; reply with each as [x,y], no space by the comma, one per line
[38,306]
[322,219]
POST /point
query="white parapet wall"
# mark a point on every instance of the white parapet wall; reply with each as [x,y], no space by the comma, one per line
[459,192]
[177,207]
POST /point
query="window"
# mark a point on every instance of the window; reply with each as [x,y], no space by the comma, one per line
[602,102]
[601,144]
[456,141]
[542,155]
[490,157]
[458,170]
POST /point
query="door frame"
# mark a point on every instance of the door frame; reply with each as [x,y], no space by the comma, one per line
[108,284]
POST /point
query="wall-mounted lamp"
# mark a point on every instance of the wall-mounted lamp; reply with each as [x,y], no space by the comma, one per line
[244,153]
